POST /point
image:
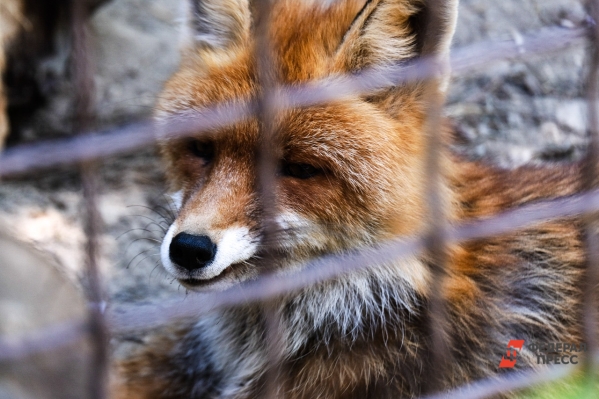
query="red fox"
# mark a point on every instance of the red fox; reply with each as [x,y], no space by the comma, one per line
[351,174]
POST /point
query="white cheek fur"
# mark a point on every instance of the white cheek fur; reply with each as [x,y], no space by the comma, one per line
[302,230]
[235,246]
[164,251]
[177,200]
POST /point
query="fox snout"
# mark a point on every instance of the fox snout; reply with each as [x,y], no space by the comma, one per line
[198,258]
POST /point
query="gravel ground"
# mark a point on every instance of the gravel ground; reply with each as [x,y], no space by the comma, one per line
[510,113]
[532,110]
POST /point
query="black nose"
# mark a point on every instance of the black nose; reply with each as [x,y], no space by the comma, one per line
[192,252]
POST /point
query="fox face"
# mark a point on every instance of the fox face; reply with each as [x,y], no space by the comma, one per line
[349,173]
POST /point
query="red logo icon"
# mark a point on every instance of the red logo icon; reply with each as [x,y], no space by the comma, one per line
[513,347]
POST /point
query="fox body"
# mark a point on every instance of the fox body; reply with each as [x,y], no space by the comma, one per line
[350,174]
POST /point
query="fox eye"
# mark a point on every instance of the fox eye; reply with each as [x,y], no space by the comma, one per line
[300,170]
[202,149]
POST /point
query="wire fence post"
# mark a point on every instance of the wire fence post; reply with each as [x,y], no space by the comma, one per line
[267,157]
[439,354]
[84,89]
[589,182]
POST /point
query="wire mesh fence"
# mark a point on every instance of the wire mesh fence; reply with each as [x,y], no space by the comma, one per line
[88,148]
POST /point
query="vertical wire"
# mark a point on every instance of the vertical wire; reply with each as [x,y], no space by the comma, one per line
[84,88]
[439,353]
[436,247]
[589,178]
[267,156]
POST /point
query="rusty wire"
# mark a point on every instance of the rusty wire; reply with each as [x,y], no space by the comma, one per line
[93,147]
[439,355]
[267,157]
[84,90]
[589,177]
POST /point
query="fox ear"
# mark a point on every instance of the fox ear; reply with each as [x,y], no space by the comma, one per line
[217,24]
[391,31]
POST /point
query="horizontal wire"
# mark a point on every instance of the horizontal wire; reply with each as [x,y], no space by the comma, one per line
[512,382]
[127,318]
[31,157]
[43,340]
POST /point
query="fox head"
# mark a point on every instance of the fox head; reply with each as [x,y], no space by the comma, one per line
[350,172]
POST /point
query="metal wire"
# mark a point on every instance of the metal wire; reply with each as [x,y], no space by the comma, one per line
[589,177]
[267,162]
[84,89]
[439,355]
